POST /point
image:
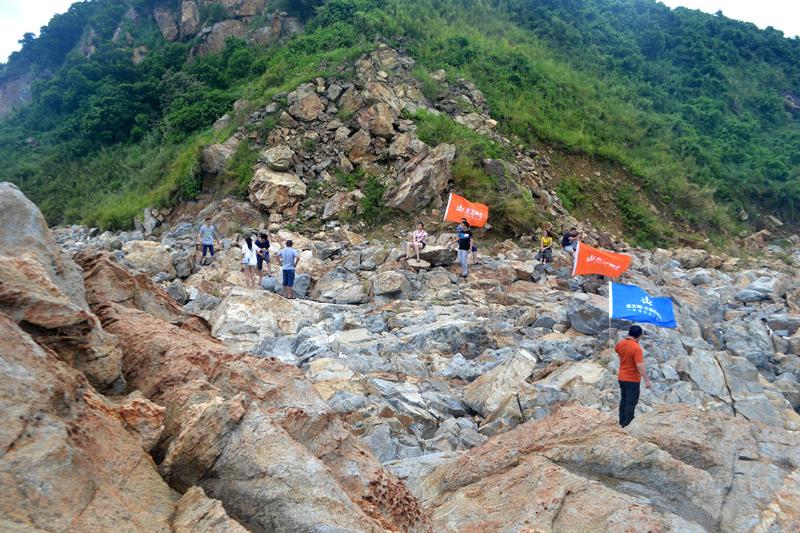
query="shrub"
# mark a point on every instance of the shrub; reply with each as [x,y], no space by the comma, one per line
[373,210]
[640,223]
[571,192]
[431,88]
[349,180]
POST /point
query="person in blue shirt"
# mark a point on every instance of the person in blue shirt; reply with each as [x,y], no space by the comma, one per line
[289,260]
[208,234]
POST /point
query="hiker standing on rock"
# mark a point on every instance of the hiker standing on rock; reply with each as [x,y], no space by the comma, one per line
[419,239]
[263,257]
[631,372]
[249,261]
[545,254]
[464,239]
[207,235]
[289,260]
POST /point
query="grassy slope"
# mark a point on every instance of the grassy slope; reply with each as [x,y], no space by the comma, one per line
[536,91]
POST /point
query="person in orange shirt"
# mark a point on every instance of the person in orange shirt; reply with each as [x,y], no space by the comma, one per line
[631,372]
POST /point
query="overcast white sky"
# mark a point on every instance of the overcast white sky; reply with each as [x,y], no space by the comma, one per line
[20,16]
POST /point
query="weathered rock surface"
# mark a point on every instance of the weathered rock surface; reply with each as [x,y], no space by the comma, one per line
[150,257]
[254,434]
[424,178]
[29,298]
[275,191]
[25,235]
[68,463]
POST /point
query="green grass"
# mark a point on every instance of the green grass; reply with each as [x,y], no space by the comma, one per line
[349,180]
[373,210]
[511,205]
[430,87]
[640,223]
[571,192]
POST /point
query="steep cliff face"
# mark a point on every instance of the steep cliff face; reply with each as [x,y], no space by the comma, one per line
[14,94]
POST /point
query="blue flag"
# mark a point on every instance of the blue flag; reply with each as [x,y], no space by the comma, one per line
[629,302]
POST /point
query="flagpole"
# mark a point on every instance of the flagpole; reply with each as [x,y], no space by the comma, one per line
[610,310]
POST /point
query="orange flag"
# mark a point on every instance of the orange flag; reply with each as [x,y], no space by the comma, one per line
[459,207]
[590,260]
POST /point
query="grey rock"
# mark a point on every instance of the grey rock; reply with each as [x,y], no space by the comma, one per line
[344,402]
[178,292]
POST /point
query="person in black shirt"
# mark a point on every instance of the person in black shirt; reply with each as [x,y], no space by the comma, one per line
[570,240]
[464,239]
[263,256]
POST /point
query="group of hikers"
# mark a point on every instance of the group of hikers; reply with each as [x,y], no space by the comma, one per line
[464,239]
[256,259]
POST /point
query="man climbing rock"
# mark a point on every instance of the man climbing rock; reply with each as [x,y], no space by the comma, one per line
[631,372]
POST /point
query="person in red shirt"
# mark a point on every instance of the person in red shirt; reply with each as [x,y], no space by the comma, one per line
[631,372]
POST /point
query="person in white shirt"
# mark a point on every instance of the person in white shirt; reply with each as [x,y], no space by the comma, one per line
[249,262]
[419,239]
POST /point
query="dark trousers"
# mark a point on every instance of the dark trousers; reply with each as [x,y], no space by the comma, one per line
[629,397]
[208,248]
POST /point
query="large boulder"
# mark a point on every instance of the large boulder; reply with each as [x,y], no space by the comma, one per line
[750,339]
[340,286]
[378,119]
[190,18]
[358,148]
[166,21]
[746,392]
[278,157]
[588,314]
[149,257]
[214,39]
[215,157]
[702,368]
[438,255]
[341,202]
[305,104]
[491,389]
[68,463]
[29,298]
[275,191]
[423,178]
[25,235]
[243,317]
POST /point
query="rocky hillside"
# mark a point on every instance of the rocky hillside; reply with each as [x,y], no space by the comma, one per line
[143,389]
[605,106]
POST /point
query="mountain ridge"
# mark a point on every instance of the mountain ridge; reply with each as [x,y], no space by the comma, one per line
[155,134]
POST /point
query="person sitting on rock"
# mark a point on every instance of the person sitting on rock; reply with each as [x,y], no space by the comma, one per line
[570,240]
[249,261]
[263,256]
[207,235]
[419,239]
[289,260]
[545,254]
[631,371]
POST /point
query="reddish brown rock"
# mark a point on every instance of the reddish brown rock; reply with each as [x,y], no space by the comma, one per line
[255,434]
[28,297]
[543,474]
[107,281]
[68,464]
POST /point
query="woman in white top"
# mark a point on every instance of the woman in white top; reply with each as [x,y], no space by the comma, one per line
[249,261]
[418,240]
